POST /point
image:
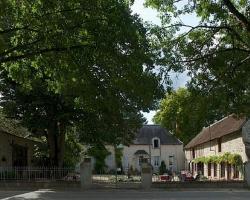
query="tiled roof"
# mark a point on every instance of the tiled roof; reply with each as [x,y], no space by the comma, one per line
[148,132]
[12,127]
[221,128]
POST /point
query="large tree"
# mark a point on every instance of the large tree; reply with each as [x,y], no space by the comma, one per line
[185,113]
[215,52]
[76,63]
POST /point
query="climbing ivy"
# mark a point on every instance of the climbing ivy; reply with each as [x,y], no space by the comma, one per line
[233,159]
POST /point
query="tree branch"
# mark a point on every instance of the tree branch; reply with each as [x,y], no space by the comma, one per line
[5,31]
[11,50]
[237,14]
[28,55]
[211,54]
[192,28]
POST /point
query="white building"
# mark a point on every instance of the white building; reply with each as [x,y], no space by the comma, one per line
[155,144]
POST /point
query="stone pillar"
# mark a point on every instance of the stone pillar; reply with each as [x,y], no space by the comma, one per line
[146,174]
[226,171]
[205,170]
[247,173]
[219,170]
[86,174]
[246,140]
[212,171]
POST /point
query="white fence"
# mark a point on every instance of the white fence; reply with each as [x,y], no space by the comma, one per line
[38,173]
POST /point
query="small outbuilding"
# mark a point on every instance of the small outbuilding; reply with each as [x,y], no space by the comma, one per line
[16,149]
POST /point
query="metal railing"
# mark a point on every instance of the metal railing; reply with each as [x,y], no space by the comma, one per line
[38,173]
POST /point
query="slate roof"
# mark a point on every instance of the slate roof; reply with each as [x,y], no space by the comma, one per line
[225,126]
[148,132]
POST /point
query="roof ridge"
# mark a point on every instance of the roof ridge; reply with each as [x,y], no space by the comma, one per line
[218,121]
[151,125]
[200,136]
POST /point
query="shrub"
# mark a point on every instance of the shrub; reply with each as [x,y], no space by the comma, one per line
[162,168]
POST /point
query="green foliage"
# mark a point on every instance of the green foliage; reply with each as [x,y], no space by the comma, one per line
[233,159]
[82,64]
[162,168]
[73,149]
[118,156]
[41,155]
[72,155]
[185,113]
[215,50]
[99,153]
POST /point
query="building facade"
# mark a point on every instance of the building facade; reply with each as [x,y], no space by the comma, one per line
[218,151]
[15,151]
[155,144]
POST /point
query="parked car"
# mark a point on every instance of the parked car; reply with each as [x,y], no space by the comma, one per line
[186,176]
[165,177]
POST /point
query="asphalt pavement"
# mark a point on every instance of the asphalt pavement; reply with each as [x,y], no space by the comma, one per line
[126,195]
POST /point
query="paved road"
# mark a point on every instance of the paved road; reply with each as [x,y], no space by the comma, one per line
[125,195]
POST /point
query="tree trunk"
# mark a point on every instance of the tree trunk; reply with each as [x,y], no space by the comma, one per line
[56,144]
[60,144]
[52,146]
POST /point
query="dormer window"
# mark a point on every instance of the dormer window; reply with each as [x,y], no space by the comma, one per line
[156,143]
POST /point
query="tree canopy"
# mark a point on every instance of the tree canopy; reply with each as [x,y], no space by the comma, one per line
[86,64]
[215,52]
[185,113]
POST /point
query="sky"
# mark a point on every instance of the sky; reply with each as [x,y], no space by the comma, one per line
[148,14]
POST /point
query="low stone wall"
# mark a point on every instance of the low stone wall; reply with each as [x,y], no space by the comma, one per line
[202,184]
[22,185]
[75,185]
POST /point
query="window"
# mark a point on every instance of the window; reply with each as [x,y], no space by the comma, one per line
[215,170]
[219,145]
[209,169]
[156,143]
[200,168]
[193,165]
[156,161]
[235,171]
[193,153]
[171,160]
[222,170]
